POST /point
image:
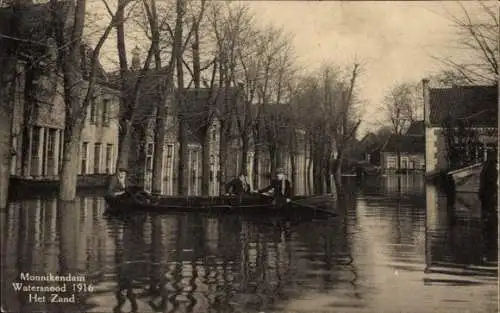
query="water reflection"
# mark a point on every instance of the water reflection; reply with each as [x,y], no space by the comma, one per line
[385,252]
[458,235]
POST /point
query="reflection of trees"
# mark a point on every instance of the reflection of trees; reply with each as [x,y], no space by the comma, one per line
[328,241]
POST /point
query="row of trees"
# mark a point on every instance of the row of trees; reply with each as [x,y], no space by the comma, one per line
[221,48]
[229,49]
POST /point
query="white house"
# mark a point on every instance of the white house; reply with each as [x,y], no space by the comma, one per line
[476,106]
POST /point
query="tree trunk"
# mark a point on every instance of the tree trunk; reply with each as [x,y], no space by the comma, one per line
[196,56]
[205,168]
[27,117]
[125,125]
[337,177]
[223,156]
[7,96]
[181,174]
[294,173]
[272,159]
[124,145]
[182,182]
[256,167]
[309,169]
[244,153]
[70,160]
[327,174]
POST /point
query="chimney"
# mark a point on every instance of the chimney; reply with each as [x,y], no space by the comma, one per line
[426,97]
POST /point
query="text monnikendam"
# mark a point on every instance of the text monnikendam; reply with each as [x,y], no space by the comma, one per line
[52,277]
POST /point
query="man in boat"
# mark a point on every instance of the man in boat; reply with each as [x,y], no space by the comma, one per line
[118,184]
[280,188]
[239,185]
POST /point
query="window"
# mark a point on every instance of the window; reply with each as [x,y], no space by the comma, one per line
[109,157]
[170,168]
[214,135]
[93,111]
[149,156]
[105,112]
[51,138]
[35,141]
[404,162]
[97,158]
[170,150]
[84,154]
[194,169]
[391,162]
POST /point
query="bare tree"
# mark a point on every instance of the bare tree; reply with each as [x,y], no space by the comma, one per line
[69,32]
[328,98]
[477,31]
[346,124]
[401,107]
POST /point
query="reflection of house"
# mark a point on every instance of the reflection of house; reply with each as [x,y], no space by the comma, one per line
[409,148]
[476,107]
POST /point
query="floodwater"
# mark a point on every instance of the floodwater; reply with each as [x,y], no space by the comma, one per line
[395,246]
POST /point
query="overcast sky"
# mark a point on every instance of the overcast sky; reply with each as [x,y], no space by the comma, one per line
[395,40]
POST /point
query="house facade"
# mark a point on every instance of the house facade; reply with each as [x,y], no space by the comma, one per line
[38,123]
[404,152]
[445,109]
[36,108]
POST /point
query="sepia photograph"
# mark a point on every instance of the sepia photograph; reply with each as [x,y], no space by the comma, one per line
[210,156]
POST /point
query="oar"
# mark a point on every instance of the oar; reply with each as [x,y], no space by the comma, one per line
[315,208]
[312,207]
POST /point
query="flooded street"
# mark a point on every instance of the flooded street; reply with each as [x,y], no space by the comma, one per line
[386,251]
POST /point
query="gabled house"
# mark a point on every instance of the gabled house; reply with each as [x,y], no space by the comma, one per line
[369,149]
[461,125]
[404,152]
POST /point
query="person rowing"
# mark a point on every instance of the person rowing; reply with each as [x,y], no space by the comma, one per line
[119,188]
[239,185]
[118,184]
[280,188]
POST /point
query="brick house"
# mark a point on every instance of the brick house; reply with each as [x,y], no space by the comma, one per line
[410,147]
[476,106]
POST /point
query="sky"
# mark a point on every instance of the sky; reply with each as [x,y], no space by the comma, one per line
[395,41]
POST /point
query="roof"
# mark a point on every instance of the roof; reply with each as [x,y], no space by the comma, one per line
[417,128]
[476,104]
[202,105]
[405,143]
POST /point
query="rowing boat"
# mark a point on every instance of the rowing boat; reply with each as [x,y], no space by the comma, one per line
[254,204]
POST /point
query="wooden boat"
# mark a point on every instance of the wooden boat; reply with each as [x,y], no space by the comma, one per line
[255,204]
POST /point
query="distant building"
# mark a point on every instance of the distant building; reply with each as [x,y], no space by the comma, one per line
[476,107]
[369,149]
[409,148]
